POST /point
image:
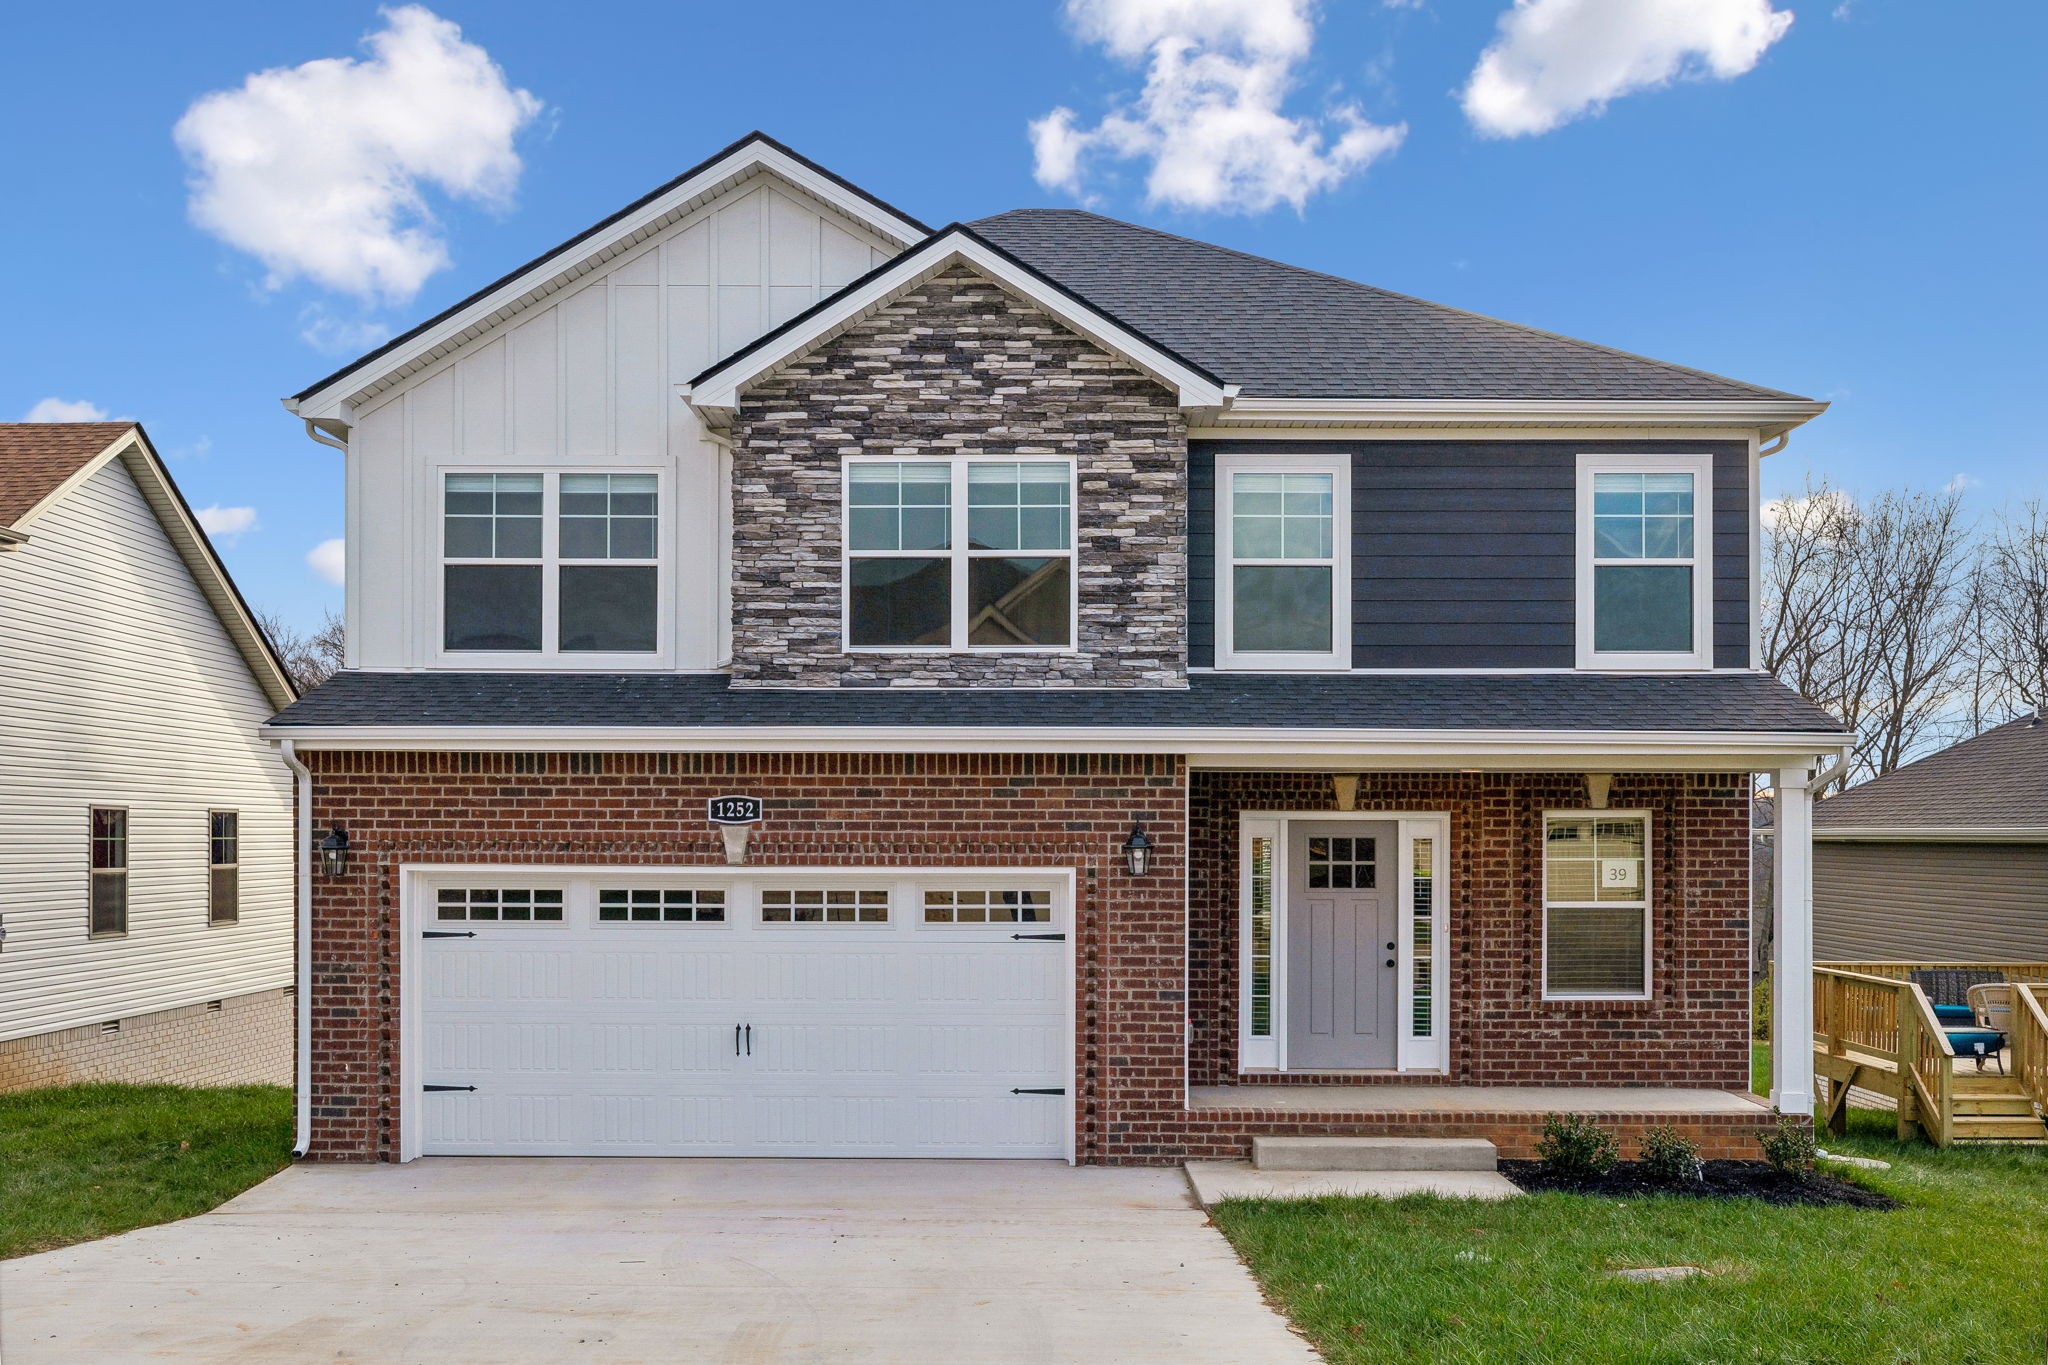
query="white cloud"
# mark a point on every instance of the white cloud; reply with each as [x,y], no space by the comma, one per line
[66,410]
[1557,60]
[226,524]
[197,450]
[1833,500]
[319,170]
[327,560]
[1962,483]
[325,332]
[1209,119]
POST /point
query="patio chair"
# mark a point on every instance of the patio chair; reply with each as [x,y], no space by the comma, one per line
[1948,990]
[1991,1009]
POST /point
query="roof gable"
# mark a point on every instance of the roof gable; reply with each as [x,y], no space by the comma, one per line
[1996,783]
[1280,330]
[597,245]
[56,458]
[715,393]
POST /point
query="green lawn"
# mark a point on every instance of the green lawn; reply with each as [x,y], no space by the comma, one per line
[87,1161]
[1953,1277]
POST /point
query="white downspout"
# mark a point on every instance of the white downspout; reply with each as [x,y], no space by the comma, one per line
[302,1087]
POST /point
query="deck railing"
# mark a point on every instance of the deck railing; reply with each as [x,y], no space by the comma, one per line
[2028,1042]
[1875,1030]
[1879,1033]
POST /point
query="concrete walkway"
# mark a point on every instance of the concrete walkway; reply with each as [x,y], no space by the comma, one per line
[456,1259]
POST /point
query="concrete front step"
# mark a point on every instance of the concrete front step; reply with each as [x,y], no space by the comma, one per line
[1215,1181]
[1373,1154]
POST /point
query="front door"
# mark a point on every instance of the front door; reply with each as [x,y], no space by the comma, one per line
[1341,918]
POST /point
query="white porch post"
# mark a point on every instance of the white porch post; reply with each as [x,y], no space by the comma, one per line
[1792,948]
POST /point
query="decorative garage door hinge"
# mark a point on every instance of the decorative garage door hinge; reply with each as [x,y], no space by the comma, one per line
[1039,1090]
[449,933]
[1042,938]
[431,1088]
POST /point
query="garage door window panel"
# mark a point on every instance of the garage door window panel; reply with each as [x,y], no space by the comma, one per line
[501,905]
[660,905]
[824,906]
[970,907]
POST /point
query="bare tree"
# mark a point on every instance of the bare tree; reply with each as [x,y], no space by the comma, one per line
[2013,591]
[309,659]
[1869,609]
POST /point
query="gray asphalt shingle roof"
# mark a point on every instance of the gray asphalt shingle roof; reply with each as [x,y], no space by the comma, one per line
[1703,703]
[1999,780]
[1279,330]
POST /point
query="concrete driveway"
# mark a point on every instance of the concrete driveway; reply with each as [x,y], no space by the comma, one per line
[460,1259]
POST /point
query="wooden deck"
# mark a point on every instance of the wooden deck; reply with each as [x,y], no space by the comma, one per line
[1875,1031]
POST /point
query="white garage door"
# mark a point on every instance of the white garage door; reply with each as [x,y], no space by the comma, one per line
[765,1014]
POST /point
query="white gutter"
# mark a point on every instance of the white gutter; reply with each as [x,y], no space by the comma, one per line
[302,1137]
[1770,412]
[1934,834]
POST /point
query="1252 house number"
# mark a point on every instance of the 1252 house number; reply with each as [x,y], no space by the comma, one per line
[734,810]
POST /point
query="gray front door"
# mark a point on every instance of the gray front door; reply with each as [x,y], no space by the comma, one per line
[1340,945]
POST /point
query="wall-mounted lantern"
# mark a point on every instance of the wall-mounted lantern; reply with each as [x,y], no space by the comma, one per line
[1138,850]
[334,852]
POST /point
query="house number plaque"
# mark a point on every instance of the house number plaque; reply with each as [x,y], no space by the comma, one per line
[733,810]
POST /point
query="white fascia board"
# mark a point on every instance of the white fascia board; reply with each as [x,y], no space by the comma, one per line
[1216,747]
[1933,834]
[718,394]
[1773,413]
[326,405]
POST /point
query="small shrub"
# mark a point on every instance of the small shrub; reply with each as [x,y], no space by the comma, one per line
[1576,1147]
[1760,1011]
[1668,1158]
[1789,1148]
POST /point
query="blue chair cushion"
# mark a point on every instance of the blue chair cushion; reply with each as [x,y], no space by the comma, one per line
[1965,1040]
[1955,1014]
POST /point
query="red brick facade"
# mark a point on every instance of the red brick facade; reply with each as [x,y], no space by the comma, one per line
[1137,940]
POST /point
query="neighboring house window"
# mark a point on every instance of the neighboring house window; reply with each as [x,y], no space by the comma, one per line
[959,555]
[1283,581]
[565,564]
[1596,906]
[108,912]
[223,867]
[1645,575]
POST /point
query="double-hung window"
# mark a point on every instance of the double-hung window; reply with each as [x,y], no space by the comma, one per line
[963,555]
[1283,577]
[551,564]
[223,867]
[1645,567]
[107,906]
[1596,905]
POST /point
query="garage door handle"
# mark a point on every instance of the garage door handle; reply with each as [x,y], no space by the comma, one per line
[449,933]
[735,1040]
[750,1040]
[1043,1090]
[1043,938]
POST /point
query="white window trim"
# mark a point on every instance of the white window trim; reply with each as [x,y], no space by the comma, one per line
[1649,900]
[1290,462]
[1426,1053]
[958,555]
[1701,467]
[549,657]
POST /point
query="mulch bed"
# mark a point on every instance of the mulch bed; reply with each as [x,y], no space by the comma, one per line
[1720,1180]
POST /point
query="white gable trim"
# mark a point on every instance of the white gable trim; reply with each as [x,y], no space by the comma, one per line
[716,393]
[332,402]
[209,575]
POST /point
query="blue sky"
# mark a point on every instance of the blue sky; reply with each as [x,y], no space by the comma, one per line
[1849,207]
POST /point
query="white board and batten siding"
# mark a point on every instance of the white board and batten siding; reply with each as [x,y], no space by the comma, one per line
[119,687]
[588,380]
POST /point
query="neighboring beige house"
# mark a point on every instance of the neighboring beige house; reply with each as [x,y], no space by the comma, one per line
[1943,860]
[145,828]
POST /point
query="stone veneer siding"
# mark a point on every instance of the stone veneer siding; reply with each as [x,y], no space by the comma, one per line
[1692,1031]
[957,367]
[1140,944]
[247,1041]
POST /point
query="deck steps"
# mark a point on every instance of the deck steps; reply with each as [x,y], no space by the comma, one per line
[2006,1105]
[1373,1154]
[1996,1127]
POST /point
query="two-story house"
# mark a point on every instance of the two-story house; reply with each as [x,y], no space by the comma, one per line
[1042,687]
